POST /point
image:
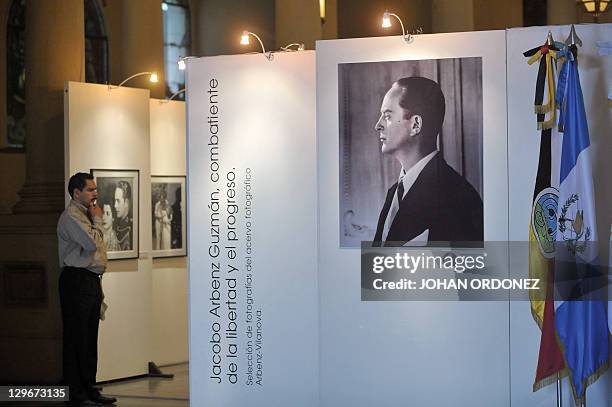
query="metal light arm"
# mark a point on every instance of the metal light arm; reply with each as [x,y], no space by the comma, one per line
[299,45]
[134,76]
[268,55]
[176,94]
[400,21]
[386,23]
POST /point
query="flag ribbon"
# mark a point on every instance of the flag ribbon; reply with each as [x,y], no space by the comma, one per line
[546,54]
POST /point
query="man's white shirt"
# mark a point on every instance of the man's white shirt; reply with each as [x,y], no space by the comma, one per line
[407,178]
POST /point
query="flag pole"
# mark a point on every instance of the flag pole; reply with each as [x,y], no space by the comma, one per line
[559,394]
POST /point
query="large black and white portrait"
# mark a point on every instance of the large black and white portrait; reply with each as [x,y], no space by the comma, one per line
[118,192]
[169,217]
[411,147]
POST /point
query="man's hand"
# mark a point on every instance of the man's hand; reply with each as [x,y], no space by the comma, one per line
[94,210]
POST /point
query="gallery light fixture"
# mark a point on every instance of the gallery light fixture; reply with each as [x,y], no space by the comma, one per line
[152,78]
[289,47]
[386,23]
[182,65]
[322,11]
[244,40]
[175,94]
[594,7]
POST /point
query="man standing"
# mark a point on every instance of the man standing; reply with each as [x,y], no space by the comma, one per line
[123,199]
[82,256]
[430,202]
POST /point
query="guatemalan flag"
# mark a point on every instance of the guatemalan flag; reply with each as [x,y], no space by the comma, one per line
[581,320]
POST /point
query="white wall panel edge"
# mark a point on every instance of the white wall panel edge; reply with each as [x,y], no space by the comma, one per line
[169,275]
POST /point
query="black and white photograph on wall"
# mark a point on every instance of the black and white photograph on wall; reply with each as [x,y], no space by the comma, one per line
[411,148]
[169,216]
[118,192]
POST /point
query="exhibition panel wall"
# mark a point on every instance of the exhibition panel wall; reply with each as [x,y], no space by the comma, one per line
[170,277]
[427,353]
[252,232]
[108,129]
[523,150]
[276,308]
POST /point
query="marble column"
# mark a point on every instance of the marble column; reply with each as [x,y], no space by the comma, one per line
[452,16]
[55,53]
[31,334]
[142,38]
[220,25]
[298,21]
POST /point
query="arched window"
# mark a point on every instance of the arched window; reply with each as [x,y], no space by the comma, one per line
[96,44]
[15,75]
[177,42]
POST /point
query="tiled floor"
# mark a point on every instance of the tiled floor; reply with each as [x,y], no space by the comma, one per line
[153,391]
[145,392]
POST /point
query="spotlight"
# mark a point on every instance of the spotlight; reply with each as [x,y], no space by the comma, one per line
[386,23]
[244,40]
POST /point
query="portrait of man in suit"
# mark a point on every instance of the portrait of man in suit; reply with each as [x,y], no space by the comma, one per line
[422,121]
[430,202]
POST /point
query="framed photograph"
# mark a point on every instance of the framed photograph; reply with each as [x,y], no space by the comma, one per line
[168,216]
[118,192]
[413,128]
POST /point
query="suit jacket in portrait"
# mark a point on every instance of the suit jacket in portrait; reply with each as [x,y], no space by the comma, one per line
[440,201]
[124,233]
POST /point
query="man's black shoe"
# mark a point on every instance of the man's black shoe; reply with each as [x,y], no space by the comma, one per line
[103,399]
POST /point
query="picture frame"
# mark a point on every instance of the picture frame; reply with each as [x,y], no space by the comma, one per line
[168,216]
[118,197]
[369,170]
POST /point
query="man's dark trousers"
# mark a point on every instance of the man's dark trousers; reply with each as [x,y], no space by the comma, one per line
[80,298]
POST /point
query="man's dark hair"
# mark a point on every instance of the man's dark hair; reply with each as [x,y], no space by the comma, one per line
[126,188]
[423,97]
[78,181]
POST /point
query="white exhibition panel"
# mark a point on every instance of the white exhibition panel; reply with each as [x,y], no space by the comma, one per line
[170,276]
[409,353]
[254,119]
[168,137]
[523,150]
[109,129]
